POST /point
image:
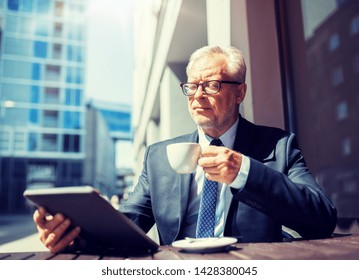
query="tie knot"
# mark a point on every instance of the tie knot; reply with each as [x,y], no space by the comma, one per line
[216,142]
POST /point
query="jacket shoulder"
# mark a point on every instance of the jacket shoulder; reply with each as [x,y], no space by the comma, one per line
[192,137]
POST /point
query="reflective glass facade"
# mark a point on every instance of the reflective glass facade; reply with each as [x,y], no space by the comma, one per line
[42,63]
[325,89]
[42,104]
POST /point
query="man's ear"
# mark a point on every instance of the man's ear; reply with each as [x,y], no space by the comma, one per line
[242,89]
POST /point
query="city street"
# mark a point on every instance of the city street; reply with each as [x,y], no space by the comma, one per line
[18,233]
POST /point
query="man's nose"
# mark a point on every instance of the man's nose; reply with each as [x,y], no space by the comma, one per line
[199,92]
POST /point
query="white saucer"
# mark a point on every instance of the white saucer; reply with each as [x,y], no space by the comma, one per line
[202,245]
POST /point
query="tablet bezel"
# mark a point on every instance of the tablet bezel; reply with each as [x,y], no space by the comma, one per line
[101,224]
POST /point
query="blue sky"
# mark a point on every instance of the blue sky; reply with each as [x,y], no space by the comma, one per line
[110,50]
[315,12]
[110,59]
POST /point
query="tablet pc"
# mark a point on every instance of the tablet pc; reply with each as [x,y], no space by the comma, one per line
[101,224]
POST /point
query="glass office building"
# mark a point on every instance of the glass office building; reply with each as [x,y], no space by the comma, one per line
[117,117]
[42,104]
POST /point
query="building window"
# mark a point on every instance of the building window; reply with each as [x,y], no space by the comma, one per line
[52,96]
[56,51]
[76,170]
[334,42]
[40,49]
[346,147]
[21,69]
[19,5]
[342,111]
[16,24]
[15,92]
[49,142]
[16,46]
[4,140]
[337,76]
[27,6]
[74,53]
[50,118]
[74,75]
[41,172]
[13,5]
[354,27]
[71,143]
[19,141]
[57,29]
[52,72]
[35,99]
[36,71]
[34,116]
[35,94]
[33,142]
[71,172]
[72,120]
[43,6]
[11,23]
[73,97]
[59,9]
[12,69]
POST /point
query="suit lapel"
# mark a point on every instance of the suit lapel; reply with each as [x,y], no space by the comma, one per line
[244,136]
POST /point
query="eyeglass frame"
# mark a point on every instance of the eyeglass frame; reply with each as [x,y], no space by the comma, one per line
[203,89]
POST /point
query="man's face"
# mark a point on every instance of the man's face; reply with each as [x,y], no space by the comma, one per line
[214,113]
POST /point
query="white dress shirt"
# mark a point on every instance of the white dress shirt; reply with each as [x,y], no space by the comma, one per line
[224,198]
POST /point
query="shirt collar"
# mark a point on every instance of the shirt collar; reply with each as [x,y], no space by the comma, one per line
[227,138]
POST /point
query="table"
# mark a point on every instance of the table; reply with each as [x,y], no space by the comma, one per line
[343,247]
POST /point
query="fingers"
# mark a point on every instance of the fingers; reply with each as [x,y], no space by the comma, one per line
[57,242]
[213,156]
[210,156]
[53,230]
[220,164]
[226,177]
[56,222]
[39,216]
[212,150]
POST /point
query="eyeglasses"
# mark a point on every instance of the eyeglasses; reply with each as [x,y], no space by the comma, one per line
[209,87]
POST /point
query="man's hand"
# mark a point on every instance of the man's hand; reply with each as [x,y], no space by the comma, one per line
[220,164]
[53,230]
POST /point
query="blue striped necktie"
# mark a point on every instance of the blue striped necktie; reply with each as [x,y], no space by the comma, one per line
[207,207]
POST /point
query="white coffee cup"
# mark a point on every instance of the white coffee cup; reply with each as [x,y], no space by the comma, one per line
[183,157]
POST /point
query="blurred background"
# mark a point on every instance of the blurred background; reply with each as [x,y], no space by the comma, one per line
[87,85]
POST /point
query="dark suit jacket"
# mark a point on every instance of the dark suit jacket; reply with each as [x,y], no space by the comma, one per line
[280,190]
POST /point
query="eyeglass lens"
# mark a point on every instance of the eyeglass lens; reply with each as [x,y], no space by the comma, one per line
[209,87]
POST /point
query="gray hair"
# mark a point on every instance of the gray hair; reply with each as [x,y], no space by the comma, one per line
[236,67]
